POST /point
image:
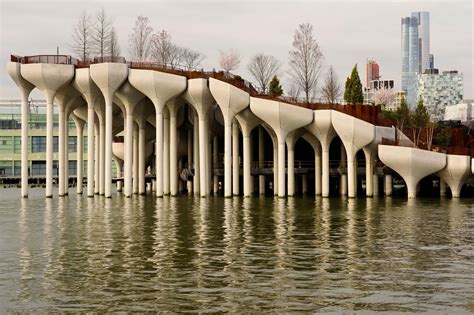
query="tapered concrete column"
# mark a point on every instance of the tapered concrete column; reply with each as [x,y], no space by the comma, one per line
[235,159]
[200,97]
[442,187]
[135,159]
[275,170]
[355,134]
[456,172]
[231,101]
[102,153]
[411,163]
[282,118]
[261,159]
[313,141]
[96,161]
[119,168]
[166,152]
[208,159]
[66,156]
[196,162]
[247,121]
[91,93]
[173,107]
[141,158]
[304,184]
[369,170]
[49,78]
[108,77]
[343,180]
[291,139]
[80,152]
[388,185]
[215,159]
[24,87]
[323,129]
[130,98]
[189,184]
[376,185]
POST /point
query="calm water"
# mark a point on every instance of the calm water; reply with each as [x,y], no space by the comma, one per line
[238,255]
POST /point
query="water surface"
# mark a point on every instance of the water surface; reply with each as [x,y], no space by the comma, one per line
[235,254]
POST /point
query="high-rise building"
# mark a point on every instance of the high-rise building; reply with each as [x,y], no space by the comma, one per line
[415,44]
[372,71]
[439,90]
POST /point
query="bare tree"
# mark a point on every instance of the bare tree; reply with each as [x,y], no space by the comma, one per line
[140,39]
[191,58]
[331,90]
[229,60]
[263,68]
[82,37]
[113,45]
[101,34]
[305,60]
[293,93]
[162,48]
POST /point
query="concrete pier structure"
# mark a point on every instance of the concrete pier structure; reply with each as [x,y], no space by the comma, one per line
[195,119]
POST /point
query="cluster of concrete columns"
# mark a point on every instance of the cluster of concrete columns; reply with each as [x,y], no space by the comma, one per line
[143,97]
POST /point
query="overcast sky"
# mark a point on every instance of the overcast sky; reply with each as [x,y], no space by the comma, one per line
[348,32]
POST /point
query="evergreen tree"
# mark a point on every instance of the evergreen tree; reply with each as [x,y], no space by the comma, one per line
[403,114]
[353,89]
[422,117]
[348,90]
[356,87]
[274,87]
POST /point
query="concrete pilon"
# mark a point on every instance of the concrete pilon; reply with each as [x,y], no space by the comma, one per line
[275,157]
[235,158]
[313,141]
[231,101]
[457,170]
[282,118]
[322,128]
[130,97]
[248,121]
[80,151]
[200,97]
[261,158]
[108,77]
[411,163]
[49,78]
[63,97]
[173,106]
[291,139]
[24,87]
[355,134]
[91,93]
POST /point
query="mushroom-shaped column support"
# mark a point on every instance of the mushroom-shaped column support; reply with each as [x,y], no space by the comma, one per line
[49,78]
[313,141]
[248,121]
[25,88]
[355,134]
[91,93]
[63,97]
[159,87]
[130,97]
[231,101]
[282,118]
[322,128]
[200,97]
[173,107]
[457,170]
[108,77]
[80,151]
[411,163]
[290,145]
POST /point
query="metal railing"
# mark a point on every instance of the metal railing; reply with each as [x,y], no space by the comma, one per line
[52,59]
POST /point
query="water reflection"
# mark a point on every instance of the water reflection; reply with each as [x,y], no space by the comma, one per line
[236,254]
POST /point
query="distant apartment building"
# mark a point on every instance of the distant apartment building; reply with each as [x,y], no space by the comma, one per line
[375,85]
[439,90]
[372,71]
[415,52]
[464,111]
[10,140]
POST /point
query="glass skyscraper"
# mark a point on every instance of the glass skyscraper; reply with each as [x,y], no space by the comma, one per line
[415,44]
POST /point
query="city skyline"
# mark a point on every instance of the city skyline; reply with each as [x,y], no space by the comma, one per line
[26,35]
